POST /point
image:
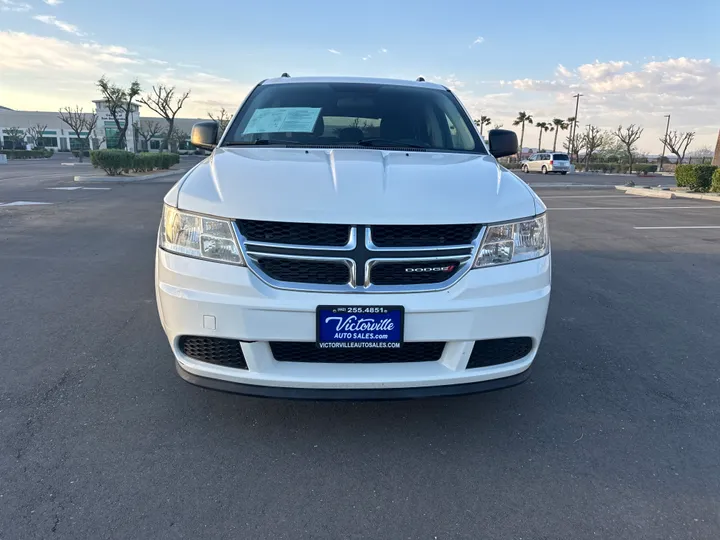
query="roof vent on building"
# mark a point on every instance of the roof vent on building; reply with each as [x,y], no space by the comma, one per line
[285,75]
[420,79]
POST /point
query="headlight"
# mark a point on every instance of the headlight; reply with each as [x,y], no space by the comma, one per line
[514,242]
[199,236]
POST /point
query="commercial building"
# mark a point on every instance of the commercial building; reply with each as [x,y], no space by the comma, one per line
[58,136]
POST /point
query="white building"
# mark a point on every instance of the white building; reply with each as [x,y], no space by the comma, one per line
[59,137]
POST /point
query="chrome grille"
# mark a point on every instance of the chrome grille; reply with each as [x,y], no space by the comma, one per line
[376,258]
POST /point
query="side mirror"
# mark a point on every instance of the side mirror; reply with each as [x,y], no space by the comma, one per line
[503,142]
[204,135]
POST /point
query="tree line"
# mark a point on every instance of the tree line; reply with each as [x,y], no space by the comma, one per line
[594,141]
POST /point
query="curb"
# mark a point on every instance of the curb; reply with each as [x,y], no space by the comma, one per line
[75,164]
[662,194]
[129,178]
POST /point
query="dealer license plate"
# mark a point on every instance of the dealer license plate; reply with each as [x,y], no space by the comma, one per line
[361,327]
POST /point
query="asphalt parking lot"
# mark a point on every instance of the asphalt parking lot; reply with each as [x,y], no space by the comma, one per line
[615,435]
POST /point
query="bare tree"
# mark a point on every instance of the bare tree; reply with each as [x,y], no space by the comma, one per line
[498,126]
[36,133]
[629,137]
[119,103]
[79,122]
[574,145]
[16,135]
[678,143]
[147,131]
[178,137]
[222,118]
[592,140]
[162,102]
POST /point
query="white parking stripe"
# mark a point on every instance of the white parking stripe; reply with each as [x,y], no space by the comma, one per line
[22,203]
[717,206]
[681,227]
[543,197]
[75,188]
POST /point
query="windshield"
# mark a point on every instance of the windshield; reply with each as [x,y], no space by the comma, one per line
[354,114]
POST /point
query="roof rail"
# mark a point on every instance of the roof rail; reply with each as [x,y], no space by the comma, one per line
[284,75]
[420,79]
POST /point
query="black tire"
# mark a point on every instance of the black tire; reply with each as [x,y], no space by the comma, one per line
[525,169]
[544,169]
[564,173]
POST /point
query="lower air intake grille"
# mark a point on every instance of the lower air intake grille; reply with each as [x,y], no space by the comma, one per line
[309,352]
[223,352]
[490,352]
[300,271]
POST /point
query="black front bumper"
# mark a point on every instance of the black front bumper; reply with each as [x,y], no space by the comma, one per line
[355,394]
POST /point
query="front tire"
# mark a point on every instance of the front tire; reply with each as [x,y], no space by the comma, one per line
[525,169]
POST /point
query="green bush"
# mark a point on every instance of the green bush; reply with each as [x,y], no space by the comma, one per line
[113,162]
[167,160]
[145,162]
[695,177]
[715,186]
[27,154]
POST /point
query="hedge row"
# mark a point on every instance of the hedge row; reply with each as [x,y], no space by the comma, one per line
[28,154]
[115,162]
[640,168]
[698,177]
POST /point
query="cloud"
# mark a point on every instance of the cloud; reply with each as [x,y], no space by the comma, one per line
[368,57]
[62,25]
[600,70]
[12,5]
[333,51]
[191,66]
[157,62]
[562,71]
[53,2]
[479,40]
[384,51]
[451,81]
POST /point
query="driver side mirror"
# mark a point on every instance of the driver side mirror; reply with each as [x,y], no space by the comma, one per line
[503,142]
[204,135]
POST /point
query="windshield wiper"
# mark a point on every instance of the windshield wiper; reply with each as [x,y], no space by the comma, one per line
[258,142]
[379,142]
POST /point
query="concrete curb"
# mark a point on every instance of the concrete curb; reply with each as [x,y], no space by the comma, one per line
[75,164]
[129,178]
[664,194]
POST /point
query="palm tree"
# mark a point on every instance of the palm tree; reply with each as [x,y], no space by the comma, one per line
[543,126]
[571,124]
[484,121]
[522,117]
[559,124]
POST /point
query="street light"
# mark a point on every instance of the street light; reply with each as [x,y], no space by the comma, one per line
[574,129]
[667,129]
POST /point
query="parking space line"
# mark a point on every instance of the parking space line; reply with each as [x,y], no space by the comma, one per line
[22,203]
[700,207]
[590,197]
[681,227]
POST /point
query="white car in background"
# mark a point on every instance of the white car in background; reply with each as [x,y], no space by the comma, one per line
[352,238]
[547,162]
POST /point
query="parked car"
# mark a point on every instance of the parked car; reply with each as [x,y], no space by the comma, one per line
[352,238]
[547,162]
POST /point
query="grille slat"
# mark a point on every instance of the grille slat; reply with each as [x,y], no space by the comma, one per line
[220,351]
[302,234]
[304,271]
[308,352]
[491,352]
[423,235]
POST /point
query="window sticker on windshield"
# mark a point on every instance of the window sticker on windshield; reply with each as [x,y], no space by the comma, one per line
[283,120]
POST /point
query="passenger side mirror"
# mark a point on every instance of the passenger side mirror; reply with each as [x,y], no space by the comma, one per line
[503,142]
[204,135]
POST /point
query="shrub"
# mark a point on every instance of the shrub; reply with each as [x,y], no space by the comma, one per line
[167,160]
[715,186]
[695,177]
[113,162]
[145,162]
[27,154]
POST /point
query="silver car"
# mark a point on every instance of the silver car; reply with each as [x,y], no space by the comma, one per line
[547,162]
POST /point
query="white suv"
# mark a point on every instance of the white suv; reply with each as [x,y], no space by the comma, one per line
[352,238]
[547,162]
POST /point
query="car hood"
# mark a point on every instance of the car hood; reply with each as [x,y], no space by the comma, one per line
[354,186]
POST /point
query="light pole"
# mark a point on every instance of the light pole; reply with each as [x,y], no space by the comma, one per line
[574,129]
[667,130]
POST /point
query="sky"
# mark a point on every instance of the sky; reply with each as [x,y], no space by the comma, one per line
[634,61]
